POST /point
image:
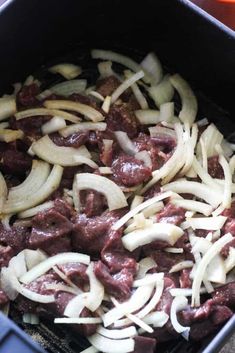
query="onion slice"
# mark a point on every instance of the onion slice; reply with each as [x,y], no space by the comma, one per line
[189,102]
[126,84]
[163,92]
[58,259]
[35,210]
[117,334]
[71,129]
[152,66]
[96,294]
[108,188]
[78,320]
[3,191]
[107,345]
[8,135]
[139,208]
[208,223]
[69,87]
[179,303]
[55,124]
[67,70]
[125,143]
[148,116]
[43,111]
[200,190]
[39,196]
[89,112]
[201,268]
[195,206]
[144,266]
[158,231]
[181,265]
[7,107]
[47,150]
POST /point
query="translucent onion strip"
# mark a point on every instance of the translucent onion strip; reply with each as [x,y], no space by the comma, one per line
[152,66]
[67,70]
[108,188]
[227,197]
[7,107]
[201,268]
[179,303]
[117,334]
[8,135]
[96,293]
[43,111]
[78,320]
[158,231]
[163,92]
[139,208]
[189,102]
[35,210]
[47,150]
[71,129]
[195,206]
[107,345]
[58,259]
[3,191]
[200,190]
[89,112]
[125,85]
[69,87]
[39,196]
[55,124]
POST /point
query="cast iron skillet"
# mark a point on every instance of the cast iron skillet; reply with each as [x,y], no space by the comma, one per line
[33,33]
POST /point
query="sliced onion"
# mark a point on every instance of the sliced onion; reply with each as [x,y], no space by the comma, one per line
[33,257]
[96,294]
[145,265]
[145,158]
[148,116]
[107,345]
[173,250]
[89,112]
[208,223]
[58,259]
[137,200]
[136,301]
[117,334]
[166,112]
[37,177]
[125,142]
[137,92]
[97,95]
[8,135]
[211,137]
[139,322]
[139,208]
[186,292]
[126,84]
[152,66]
[179,303]
[192,205]
[150,278]
[18,265]
[43,111]
[108,188]
[105,69]
[181,265]
[7,107]
[35,210]
[4,125]
[47,150]
[156,318]
[39,196]
[55,124]
[190,146]
[6,284]
[200,190]
[158,231]
[227,197]
[201,268]
[71,129]
[173,165]
[106,104]
[76,305]
[157,131]
[67,70]
[78,320]
[189,102]
[139,222]
[3,191]
[153,209]
[105,170]
[69,87]
[118,58]
[163,92]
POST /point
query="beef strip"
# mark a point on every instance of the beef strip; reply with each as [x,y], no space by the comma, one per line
[74,140]
[26,97]
[214,168]
[120,117]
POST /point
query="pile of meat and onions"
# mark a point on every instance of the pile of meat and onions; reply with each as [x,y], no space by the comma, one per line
[117,213]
